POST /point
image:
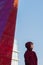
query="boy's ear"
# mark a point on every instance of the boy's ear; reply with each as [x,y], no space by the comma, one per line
[16,3]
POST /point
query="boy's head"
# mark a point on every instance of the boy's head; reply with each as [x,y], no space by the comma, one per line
[29,46]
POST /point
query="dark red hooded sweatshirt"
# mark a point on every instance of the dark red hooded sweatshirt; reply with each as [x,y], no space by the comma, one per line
[30,56]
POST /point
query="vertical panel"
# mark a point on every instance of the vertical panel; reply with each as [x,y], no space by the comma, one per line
[6,39]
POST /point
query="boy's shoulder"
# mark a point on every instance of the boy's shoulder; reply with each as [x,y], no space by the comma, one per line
[34,52]
[26,52]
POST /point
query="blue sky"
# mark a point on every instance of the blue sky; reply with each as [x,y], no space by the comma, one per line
[29,27]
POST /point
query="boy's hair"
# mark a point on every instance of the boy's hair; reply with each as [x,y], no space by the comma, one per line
[28,45]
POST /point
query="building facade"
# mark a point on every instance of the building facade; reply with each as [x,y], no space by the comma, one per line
[15,54]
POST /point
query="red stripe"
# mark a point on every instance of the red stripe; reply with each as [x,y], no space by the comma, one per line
[6,45]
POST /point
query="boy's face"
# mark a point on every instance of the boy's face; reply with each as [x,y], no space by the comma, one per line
[32,46]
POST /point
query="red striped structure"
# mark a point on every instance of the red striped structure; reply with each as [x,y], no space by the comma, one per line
[7,37]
